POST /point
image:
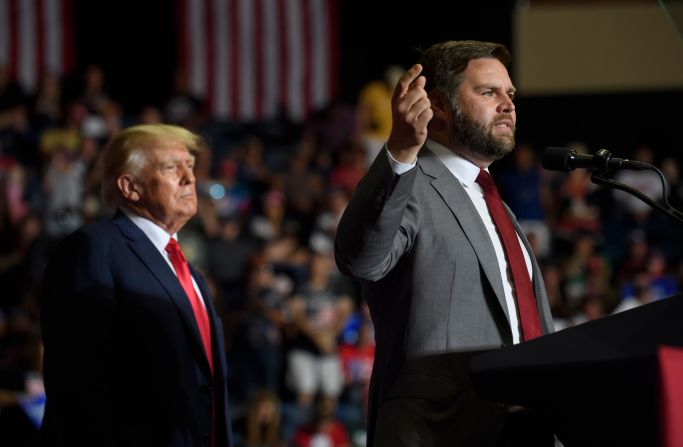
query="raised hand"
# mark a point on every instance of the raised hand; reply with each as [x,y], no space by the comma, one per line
[411,112]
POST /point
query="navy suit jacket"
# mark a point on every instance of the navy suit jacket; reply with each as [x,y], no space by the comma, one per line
[123,362]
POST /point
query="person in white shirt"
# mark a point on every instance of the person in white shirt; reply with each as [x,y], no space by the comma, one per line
[443,264]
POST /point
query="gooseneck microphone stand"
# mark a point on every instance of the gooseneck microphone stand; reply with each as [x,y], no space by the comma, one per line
[598,177]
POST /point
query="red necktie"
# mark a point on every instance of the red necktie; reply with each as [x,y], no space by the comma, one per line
[183,271]
[524,293]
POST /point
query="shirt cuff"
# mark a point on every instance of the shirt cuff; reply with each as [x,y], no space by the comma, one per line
[398,167]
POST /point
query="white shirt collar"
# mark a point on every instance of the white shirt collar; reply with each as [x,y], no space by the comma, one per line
[464,170]
[157,235]
[159,238]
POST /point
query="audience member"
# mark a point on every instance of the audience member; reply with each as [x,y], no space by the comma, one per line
[374,111]
[357,357]
[350,169]
[640,293]
[183,108]
[262,424]
[522,189]
[322,238]
[93,93]
[47,102]
[13,102]
[64,187]
[647,182]
[318,314]
[259,346]
[323,430]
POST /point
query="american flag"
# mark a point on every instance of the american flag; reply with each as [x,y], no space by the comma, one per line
[36,38]
[254,59]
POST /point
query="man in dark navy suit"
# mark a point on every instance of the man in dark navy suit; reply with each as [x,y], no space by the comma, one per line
[133,346]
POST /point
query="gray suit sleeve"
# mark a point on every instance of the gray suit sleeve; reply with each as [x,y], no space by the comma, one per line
[379,224]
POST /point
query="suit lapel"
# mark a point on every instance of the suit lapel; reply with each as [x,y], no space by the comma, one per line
[149,255]
[454,195]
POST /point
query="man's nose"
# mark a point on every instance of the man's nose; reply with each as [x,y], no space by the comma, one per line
[188,174]
[507,105]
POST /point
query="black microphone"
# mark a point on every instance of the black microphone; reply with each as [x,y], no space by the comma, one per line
[564,159]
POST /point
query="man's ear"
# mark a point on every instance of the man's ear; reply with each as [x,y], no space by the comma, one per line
[442,110]
[440,104]
[129,188]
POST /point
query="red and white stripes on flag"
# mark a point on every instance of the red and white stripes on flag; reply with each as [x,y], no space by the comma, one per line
[255,59]
[36,38]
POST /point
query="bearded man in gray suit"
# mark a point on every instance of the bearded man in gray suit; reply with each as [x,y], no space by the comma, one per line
[432,260]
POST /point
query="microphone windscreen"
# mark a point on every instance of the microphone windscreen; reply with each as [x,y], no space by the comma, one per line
[555,159]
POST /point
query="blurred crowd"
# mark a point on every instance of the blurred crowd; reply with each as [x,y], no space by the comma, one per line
[299,338]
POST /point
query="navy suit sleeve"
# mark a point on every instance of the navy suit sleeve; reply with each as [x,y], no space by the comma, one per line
[77,317]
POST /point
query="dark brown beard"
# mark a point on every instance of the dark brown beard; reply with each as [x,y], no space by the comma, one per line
[480,139]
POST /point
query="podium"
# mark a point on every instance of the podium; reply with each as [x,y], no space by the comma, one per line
[595,384]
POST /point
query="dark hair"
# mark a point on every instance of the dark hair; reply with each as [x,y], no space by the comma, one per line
[444,63]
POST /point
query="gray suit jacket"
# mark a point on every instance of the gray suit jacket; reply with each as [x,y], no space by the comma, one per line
[427,267]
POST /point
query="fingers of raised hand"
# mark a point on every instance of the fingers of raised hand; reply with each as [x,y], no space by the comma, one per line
[414,103]
[424,116]
[405,82]
[410,113]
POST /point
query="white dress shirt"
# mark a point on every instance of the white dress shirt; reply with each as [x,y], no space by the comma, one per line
[159,238]
[466,173]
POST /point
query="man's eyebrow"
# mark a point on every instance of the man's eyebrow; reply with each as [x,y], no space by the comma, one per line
[491,86]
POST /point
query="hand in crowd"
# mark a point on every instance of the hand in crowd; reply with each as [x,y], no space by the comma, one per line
[411,112]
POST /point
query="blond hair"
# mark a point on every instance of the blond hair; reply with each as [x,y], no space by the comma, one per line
[127,153]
